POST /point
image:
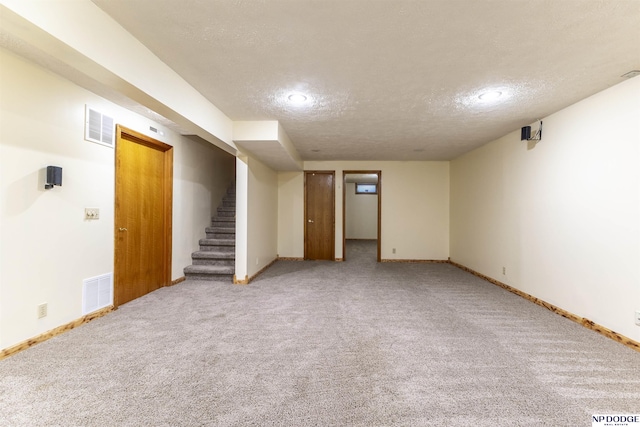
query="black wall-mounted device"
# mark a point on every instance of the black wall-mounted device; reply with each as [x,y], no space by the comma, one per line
[54,177]
[525,133]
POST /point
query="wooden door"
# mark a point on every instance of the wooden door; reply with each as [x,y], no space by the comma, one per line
[319,213]
[143,199]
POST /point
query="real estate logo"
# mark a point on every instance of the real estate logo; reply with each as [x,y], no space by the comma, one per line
[617,420]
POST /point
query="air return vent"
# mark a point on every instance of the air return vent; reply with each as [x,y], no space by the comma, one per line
[98,127]
[97,293]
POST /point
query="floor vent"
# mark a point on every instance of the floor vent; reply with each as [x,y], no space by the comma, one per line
[98,127]
[97,293]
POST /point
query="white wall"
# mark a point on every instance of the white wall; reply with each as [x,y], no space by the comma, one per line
[415,208]
[291,214]
[242,218]
[46,246]
[361,214]
[262,217]
[256,217]
[563,216]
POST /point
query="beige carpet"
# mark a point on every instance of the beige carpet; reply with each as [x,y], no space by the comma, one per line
[324,344]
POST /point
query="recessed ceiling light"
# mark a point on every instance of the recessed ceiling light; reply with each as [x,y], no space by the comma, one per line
[297,98]
[490,96]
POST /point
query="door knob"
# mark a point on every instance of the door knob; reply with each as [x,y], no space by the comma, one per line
[310,220]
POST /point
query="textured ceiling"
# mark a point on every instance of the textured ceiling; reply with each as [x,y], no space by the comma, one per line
[394,79]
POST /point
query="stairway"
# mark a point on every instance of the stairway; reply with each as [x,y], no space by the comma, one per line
[216,258]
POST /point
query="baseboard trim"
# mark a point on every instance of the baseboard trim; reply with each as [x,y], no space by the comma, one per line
[419,261]
[178,280]
[589,324]
[286,258]
[248,279]
[237,281]
[10,351]
[262,270]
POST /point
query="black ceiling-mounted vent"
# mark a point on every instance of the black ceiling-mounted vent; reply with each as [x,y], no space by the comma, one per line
[99,128]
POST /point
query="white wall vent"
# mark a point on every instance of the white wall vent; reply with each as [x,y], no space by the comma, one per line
[98,127]
[97,293]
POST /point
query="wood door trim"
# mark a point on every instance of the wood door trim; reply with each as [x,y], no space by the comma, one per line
[167,198]
[168,215]
[333,211]
[344,220]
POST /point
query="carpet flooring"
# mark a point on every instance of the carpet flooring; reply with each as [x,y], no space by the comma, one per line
[324,344]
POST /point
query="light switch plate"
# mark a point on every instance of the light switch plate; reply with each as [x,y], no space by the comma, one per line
[91,213]
[42,310]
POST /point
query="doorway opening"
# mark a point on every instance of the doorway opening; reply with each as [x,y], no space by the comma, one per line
[361,212]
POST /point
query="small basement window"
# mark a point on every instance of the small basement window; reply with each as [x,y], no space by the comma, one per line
[366,188]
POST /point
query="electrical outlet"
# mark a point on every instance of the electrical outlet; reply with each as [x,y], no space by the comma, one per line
[638,317]
[91,213]
[256,261]
[42,310]
[394,250]
[504,270]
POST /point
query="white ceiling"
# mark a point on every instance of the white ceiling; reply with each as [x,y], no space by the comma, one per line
[394,79]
